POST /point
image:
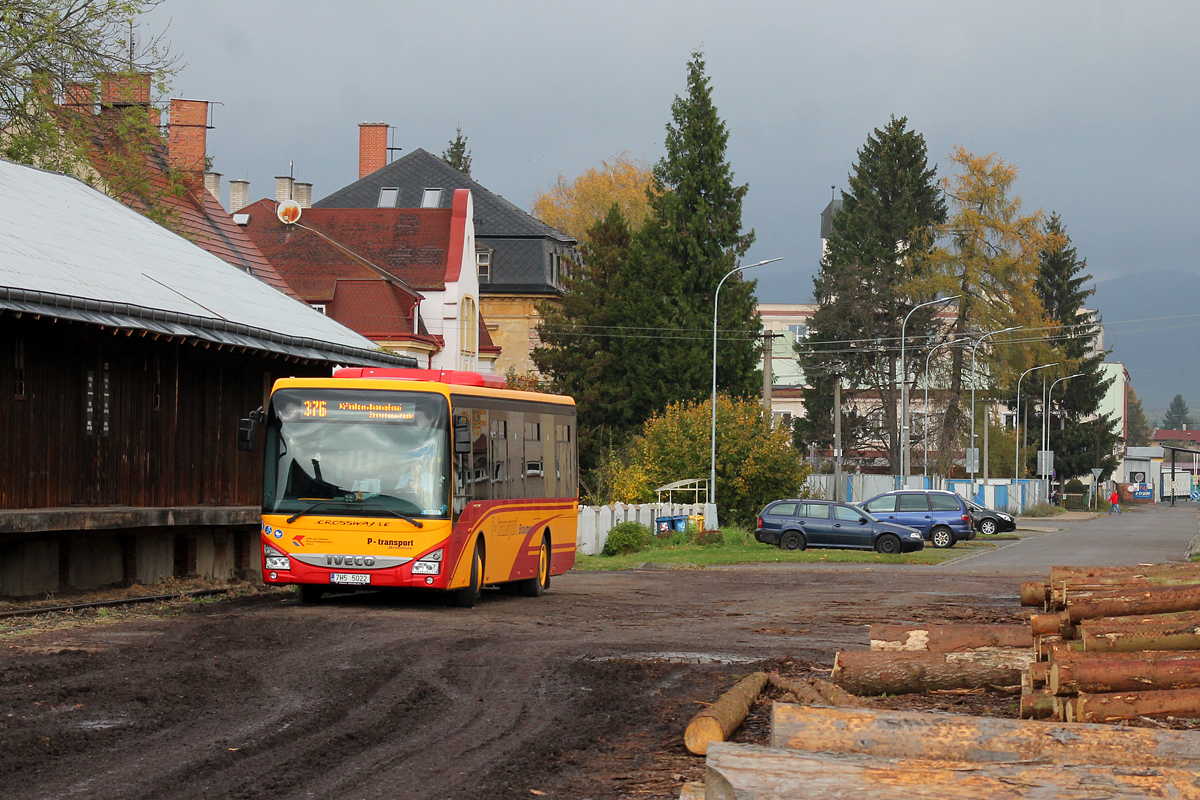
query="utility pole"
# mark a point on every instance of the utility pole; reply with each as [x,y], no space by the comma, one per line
[986,414]
[768,376]
[837,437]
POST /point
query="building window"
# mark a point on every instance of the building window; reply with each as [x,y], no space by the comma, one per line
[798,332]
[318,307]
[431,198]
[156,400]
[388,196]
[483,262]
[555,260]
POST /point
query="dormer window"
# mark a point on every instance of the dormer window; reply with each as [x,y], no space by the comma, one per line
[318,307]
[483,262]
[431,198]
[388,196]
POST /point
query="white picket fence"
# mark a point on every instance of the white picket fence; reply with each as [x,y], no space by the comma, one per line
[596,521]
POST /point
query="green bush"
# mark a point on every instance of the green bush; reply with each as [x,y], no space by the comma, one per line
[627,537]
[1074,486]
[706,538]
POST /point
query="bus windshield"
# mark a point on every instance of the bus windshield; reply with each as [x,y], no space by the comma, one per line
[357,452]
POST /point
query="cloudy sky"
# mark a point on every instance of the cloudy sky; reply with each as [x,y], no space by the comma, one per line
[1095,102]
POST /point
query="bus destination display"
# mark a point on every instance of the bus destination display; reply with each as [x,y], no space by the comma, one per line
[354,410]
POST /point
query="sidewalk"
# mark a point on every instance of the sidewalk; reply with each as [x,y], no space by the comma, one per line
[1046,524]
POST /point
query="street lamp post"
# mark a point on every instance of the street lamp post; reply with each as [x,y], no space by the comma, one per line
[1049,400]
[904,387]
[973,382]
[1017,456]
[712,469]
[925,427]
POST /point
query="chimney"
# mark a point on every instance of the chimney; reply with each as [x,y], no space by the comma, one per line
[239,195]
[125,89]
[81,97]
[188,141]
[302,192]
[283,188]
[372,147]
[212,182]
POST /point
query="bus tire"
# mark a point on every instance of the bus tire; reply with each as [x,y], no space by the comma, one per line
[466,596]
[539,583]
[309,593]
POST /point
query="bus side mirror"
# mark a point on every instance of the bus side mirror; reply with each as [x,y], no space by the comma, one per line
[246,430]
[462,435]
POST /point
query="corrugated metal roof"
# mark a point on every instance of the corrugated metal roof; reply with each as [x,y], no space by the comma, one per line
[68,250]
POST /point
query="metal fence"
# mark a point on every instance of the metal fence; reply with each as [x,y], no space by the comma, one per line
[1002,495]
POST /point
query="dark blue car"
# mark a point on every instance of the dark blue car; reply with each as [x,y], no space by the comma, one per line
[943,518]
[797,524]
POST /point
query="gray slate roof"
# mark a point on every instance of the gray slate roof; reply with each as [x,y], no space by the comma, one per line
[68,250]
[420,170]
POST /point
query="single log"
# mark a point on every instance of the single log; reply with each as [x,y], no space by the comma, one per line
[1038,704]
[1151,600]
[1046,624]
[1039,672]
[870,673]
[1106,675]
[948,638]
[1034,593]
[1067,708]
[803,690]
[1072,656]
[1062,596]
[715,723]
[1110,707]
[1060,574]
[1053,649]
[1133,639]
[1140,619]
[908,734]
[834,695]
[751,772]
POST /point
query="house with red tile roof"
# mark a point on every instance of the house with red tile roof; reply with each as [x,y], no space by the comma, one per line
[404,278]
[177,186]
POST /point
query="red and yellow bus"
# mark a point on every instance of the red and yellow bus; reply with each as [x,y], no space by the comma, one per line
[417,478]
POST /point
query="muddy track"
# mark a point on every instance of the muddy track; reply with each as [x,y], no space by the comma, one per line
[581,693]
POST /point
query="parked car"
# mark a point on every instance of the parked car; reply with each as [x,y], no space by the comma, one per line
[988,522]
[943,518]
[796,524]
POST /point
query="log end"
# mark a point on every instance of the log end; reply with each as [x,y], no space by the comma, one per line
[1033,593]
[700,731]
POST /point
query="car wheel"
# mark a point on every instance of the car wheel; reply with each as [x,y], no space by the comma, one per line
[792,540]
[987,527]
[537,585]
[889,544]
[466,596]
[942,537]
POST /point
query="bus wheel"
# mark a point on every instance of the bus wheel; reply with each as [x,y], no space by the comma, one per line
[537,585]
[466,596]
[310,594]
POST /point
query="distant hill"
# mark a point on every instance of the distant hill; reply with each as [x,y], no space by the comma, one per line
[1160,354]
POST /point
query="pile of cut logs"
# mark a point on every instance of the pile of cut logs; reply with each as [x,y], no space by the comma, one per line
[1114,643]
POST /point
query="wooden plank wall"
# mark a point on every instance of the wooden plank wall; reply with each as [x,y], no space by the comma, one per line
[173,417]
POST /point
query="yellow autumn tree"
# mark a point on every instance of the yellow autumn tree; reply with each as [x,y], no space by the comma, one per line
[575,206]
[989,254]
[756,462]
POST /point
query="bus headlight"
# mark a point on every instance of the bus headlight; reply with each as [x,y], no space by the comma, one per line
[428,565]
[276,559]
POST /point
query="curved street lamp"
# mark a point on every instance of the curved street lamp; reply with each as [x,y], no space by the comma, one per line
[925,427]
[1049,400]
[712,469]
[1017,456]
[904,387]
[974,381]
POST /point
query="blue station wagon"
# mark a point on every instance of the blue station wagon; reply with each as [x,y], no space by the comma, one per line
[797,524]
[943,518]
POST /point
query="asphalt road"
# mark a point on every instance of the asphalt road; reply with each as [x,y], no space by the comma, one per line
[1144,535]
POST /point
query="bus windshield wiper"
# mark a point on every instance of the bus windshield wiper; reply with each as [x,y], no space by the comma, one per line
[309,510]
[404,517]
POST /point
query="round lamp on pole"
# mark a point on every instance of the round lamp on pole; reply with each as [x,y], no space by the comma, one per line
[904,387]
[1017,456]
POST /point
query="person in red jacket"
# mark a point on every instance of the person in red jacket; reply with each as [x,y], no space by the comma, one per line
[1114,501]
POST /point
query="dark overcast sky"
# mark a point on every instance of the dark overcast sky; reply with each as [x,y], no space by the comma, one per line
[1095,102]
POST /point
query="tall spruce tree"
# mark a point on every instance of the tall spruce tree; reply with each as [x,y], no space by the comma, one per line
[1078,445]
[877,247]
[697,232]
[456,153]
[1137,427]
[1177,415]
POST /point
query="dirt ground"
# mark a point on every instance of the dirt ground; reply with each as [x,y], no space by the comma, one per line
[583,693]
